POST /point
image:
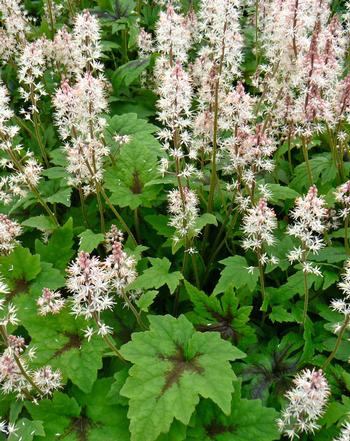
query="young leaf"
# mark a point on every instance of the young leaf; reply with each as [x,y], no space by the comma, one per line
[221,314]
[235,275]
[157,276]
[173,366]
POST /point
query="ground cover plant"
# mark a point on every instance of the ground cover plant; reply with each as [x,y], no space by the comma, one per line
[174,220]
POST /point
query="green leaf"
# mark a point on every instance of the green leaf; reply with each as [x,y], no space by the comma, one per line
[106,421]
[205,219]
[42,223]
[20,265]
[58,251]
[26,430]
[56,413]
[249,420]
[61,197]
[129,124]
[157,276]
[235,275]
[223,315]
[128,73]
[322,169]
[160,223]
[281,192]
[55,173]
[146,300]
[173,366]
[59,342]
[280,314]
[89,240]
[137,165]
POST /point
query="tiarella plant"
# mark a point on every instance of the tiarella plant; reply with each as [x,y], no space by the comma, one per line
[174,220]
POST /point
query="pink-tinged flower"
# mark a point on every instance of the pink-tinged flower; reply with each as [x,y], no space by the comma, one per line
[50,302]
[88,281]
[120,266]
[259,223]
[342,195]
[173,35]
[15,27]
[307,403]
[47,379]
[9,231]
[79,120]
[87,38]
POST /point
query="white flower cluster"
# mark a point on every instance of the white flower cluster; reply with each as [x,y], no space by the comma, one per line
[9,231]
[343,305]
[25,170]
[79,108]
[15,25]
[183,208]
[309,217]
[307,402]
[50,302]
[91,281]
[342,195]
[15,374]
[258,224]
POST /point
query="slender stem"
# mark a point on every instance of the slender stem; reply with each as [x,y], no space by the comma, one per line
[83,208]
[36,123]
[117,215]
[19,167]
[262,283]
[346,237]
[290,153]
[107,339]
[183,272]
[100,209]
[256,31]
[195,269]
[71,9]
[213,177]
[134,310]
[339,340]
[306,297]
[44,205]
[26,376]
[306,158]
[113,347]
[49,6]
[137,224]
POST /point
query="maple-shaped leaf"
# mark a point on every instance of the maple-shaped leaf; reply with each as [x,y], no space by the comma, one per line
[60,343]
[249,420]
[221,314]
[158,275]
[174,366]
[56,414]
[236,275]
